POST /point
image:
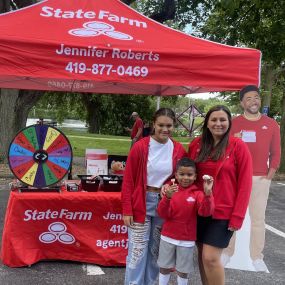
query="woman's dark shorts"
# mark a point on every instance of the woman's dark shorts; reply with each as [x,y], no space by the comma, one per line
[213,232]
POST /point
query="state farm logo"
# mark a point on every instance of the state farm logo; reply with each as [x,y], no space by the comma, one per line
[190,199]
[94,29]
[57,232]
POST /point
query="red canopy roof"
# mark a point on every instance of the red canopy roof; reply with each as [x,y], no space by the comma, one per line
[107,47]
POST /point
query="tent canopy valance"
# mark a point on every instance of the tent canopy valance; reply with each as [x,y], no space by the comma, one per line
[107,47]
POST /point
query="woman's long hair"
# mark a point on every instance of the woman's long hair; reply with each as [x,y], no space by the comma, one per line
[207,148]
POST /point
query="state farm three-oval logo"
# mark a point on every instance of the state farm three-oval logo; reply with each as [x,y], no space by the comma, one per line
[57,232]
[94,29]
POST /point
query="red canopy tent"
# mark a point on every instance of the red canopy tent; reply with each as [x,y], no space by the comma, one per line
[107,47]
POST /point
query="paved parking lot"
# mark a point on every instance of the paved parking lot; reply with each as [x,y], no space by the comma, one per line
[73,273]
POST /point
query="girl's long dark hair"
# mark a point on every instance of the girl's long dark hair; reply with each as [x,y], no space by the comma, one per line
[207,148]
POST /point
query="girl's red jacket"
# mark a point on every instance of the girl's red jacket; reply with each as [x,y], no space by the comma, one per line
[135,178]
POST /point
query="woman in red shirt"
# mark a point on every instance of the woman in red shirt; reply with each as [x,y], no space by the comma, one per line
[228,160]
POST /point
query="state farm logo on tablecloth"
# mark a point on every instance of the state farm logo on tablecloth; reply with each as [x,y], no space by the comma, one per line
[57,232]
[94,29]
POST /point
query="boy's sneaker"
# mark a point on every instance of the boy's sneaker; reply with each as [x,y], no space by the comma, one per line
[260,266]
[225,259]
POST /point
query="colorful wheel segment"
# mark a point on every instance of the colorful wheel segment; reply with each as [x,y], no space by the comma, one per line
[40,156]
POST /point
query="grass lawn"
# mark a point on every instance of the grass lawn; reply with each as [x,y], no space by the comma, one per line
[119,145]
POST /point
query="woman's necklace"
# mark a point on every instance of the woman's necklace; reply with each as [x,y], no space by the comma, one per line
[252,118]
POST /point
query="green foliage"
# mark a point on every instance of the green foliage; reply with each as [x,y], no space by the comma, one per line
[112,112]
[115,112]
[280,84]
[258,24]
[59,106]
[186,12]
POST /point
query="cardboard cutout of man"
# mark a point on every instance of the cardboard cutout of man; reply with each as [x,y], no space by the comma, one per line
[137,129]
[262,135]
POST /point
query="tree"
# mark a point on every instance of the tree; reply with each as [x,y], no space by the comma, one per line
[280,87]
[174,13]
[257,24]
[282,129]
[14,104]
[103,113]
[59,106]
[14,108]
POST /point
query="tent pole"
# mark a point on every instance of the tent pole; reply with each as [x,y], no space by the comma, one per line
[158,102]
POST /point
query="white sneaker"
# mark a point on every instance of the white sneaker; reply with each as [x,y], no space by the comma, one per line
[260,266]
[225,259]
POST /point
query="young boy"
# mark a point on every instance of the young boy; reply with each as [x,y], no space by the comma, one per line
[179,208]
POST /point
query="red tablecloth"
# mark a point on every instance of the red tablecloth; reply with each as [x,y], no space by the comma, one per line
[80,226]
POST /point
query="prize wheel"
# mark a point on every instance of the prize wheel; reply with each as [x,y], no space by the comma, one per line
[40,156]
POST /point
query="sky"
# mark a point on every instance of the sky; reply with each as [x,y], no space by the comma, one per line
[202,95]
